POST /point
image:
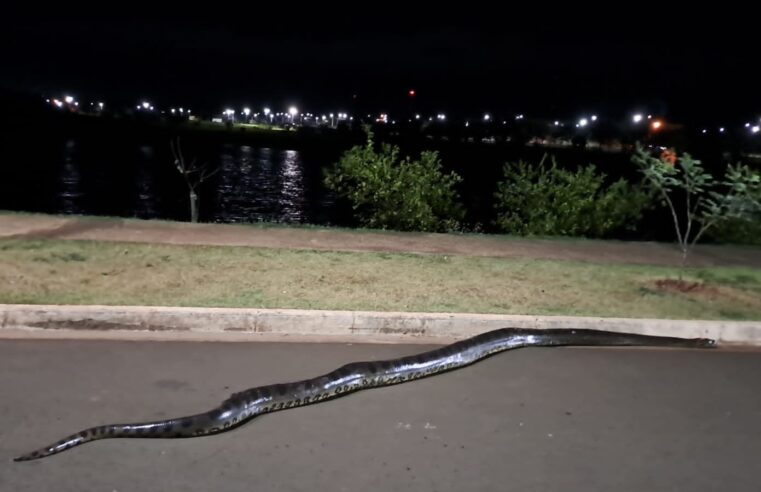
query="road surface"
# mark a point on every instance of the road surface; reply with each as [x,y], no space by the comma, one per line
[539,419]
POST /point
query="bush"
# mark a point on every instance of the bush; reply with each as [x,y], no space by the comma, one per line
[738,231]
[392,193]
[537,200]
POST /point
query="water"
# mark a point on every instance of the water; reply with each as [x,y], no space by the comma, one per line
[83,176]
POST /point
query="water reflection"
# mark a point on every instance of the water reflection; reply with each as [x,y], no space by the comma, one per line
[145,189]
[70,194]
[259,185]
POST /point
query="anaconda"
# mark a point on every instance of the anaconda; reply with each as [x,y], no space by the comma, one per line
[241,407]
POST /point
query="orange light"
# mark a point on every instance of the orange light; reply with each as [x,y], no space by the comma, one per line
[656,125]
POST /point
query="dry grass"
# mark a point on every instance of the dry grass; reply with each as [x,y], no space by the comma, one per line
[81,272]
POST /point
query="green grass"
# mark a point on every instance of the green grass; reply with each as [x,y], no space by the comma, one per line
[85,272]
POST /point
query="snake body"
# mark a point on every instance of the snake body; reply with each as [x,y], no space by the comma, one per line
[244,406]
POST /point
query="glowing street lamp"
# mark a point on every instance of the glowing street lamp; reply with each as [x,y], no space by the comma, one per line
[594,117]
[293,111]
[441,117]
[583,122]
[637,118]
[146,105]
[68,99]
[755,129]
[100,105]
[721,129]
[656,125]
[246,111]
[487,117]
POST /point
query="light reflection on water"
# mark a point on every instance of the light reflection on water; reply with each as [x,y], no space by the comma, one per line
[259,184]
[70,192]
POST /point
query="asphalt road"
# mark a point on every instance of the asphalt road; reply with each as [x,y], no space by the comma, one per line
[540,419]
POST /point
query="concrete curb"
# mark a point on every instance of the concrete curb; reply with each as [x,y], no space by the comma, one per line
[224,324]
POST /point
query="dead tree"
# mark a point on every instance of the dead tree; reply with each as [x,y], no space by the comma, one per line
[192,173]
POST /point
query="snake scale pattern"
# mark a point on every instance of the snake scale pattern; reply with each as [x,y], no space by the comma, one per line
[244,406]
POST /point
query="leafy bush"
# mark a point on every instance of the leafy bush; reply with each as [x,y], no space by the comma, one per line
[389,192]
[541,200]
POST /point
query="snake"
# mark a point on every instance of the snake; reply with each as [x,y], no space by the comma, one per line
[243,406]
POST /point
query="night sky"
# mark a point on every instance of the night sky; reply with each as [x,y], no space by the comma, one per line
[697,67]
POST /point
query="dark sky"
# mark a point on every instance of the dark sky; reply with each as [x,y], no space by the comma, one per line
[537,61]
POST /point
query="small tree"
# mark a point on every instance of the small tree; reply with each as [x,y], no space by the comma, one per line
[388,191]
[695,199]
[193,175]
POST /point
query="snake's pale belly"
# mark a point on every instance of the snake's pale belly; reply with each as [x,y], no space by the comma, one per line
[244,406]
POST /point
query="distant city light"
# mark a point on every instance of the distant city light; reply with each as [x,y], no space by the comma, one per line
[755,129]
[747,125]
[441,116]
[557,123]
[519,116]
[57,102]
[417,116]
[266,111]
[293,111]
[246,111]
[704,131]
[637,118]
[594,117]
[649,117]
[656,125]
[721,130]
[583,122]
[146,105]
[172,110]
[487,117]
[100,105]
[411,92]
[68,99]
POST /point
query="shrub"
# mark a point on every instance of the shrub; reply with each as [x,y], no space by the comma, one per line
[389,192]
[541,200]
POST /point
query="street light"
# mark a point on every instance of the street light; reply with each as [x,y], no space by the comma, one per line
[755,129]
[146,105]
[637,118]
[68,99]
[583,122]
[487,117]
